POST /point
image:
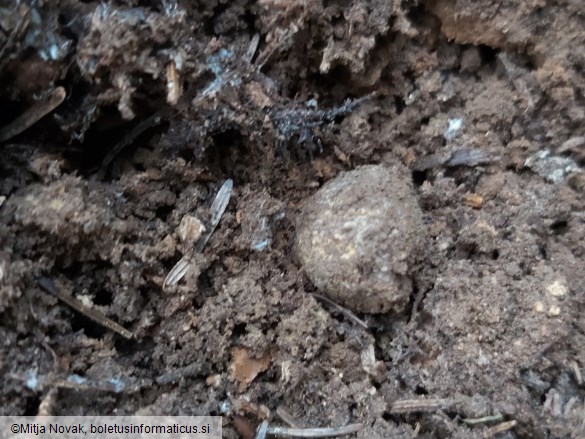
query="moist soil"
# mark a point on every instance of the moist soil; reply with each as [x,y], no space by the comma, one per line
[121,121]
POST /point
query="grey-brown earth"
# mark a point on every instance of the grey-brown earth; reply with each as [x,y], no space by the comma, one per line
[481,105]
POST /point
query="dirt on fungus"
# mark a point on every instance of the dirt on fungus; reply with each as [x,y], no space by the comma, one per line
[483,103]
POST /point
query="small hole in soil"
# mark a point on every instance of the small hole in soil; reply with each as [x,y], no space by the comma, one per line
[487,53]
[139,167]
[210,24]
[163,212]
[495,255]
[337,19]
[131,347]
[420,391]
[416,13]
[424,317]
[559,227]
[250,19]
[419,177]
[469,250]
[425,120]
[205,288]
[7,111]
[543,253]
[225,140]
[399,103]
[32,406]
[239,330]
[226,150]
[73,270]
[103,297]
[387,416]
[89,327]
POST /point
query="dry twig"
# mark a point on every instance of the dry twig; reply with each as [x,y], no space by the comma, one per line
[287,417]
[500,428]
[418,405]
[343,310]
[264,430]
[576,372]
[48,285]
[474,421]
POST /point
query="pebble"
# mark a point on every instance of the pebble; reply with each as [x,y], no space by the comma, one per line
[360,237]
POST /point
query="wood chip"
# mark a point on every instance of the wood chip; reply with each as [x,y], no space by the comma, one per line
[174,88]
[473,200]
[500,428]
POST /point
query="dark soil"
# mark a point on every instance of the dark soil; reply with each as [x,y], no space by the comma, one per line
[480,104]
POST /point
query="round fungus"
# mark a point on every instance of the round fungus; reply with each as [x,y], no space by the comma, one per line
[360,237]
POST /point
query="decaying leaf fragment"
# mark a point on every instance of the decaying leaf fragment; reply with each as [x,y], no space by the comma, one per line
[245,368]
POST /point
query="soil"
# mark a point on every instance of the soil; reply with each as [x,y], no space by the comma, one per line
[481,105]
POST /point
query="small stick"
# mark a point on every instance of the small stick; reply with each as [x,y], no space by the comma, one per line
[414,312]
[174,88]
[314,432]
[32,115]
[48,285]
[576,372]
[341,309]
[178,374]
[569,406]
[114,385]
[500,428]
[474,421]
[65,384]
[287,417]
[417,405]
